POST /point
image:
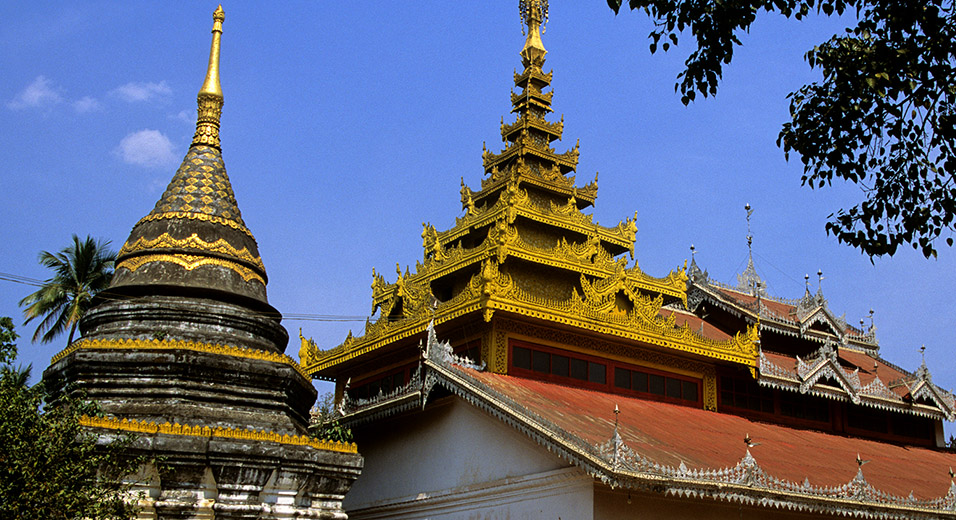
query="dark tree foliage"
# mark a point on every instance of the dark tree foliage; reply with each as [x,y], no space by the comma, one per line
[325,421]
[8,338]
[50,467]
[883,116]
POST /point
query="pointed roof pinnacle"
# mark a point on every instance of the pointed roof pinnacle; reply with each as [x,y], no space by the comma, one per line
[534,15]
[210,98]
[749,280]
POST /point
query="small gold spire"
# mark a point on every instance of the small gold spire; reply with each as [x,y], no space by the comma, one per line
[210,98]
[534,13]
[211,85]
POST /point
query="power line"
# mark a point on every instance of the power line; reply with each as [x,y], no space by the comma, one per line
[291,316]
[20,279]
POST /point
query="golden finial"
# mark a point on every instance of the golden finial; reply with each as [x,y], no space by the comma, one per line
[210,98]
[534,14]
[211,85]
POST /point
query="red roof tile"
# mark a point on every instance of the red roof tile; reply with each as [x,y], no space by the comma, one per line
[886,372]
[784,361]
[784,310]
[694,323]
[781,309]
[671,434]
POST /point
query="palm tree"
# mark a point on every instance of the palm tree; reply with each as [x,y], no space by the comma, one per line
[79,272]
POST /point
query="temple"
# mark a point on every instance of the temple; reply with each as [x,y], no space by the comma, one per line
[527,368]
[184,352]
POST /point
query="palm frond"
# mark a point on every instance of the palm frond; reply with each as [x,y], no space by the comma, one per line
[80,271]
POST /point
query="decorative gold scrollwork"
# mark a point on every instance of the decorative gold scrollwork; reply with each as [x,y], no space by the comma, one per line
[166,241]
[191,262]
[148,427]
[192,215]
[196,346]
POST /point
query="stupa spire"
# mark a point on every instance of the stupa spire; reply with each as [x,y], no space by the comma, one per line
[196,224]
[210,98]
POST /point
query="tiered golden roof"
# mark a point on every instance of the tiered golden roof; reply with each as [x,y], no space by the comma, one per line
[525,249]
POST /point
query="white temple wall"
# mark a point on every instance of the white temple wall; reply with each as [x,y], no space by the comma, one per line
[454,461]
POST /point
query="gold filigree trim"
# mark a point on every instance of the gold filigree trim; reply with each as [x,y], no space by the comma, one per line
[525,146]
[491,290]
[195,346]
[589,257]
[136,426]
[190,262]
[519,204]
[191,215]
[166,241]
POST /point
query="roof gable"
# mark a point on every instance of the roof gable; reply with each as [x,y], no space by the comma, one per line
[826,368]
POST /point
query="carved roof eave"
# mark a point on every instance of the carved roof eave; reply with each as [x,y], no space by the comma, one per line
[589,257]
[554,130]
[734,350]
[773,322]
[621,235]
[534,73]
[490,293]
[671,285]
[746,483]
[407,399]
[586,195]
[568,160]
[875,394]
[532,95]
[503,241]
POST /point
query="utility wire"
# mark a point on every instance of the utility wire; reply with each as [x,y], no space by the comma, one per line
[291,316]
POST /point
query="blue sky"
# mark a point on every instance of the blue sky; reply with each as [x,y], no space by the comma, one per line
[347,125]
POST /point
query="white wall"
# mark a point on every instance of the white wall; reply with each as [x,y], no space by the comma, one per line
[454,461]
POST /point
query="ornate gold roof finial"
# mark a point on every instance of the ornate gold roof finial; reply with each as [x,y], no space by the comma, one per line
[210,98]
[534,14]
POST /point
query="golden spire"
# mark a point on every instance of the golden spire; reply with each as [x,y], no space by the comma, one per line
[210,99]
[534,14]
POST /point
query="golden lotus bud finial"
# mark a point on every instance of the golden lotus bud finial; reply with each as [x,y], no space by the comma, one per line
[210,98]
[534,15]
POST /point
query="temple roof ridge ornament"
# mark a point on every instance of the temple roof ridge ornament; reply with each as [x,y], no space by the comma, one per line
[923,371]
[821,374]
[749,280]
[694,272]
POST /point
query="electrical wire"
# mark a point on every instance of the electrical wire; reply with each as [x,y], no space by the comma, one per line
[291,316]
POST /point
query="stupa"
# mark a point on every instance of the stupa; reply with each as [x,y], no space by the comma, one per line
[185,352]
